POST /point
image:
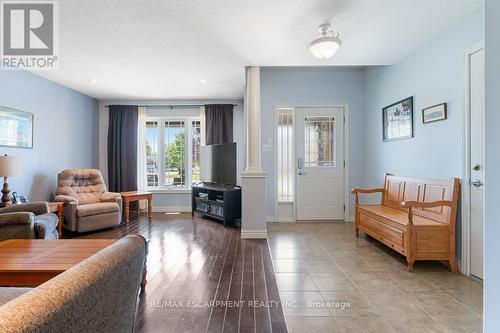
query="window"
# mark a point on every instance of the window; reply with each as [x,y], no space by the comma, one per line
[285,155]
[175,171]
[152,168]
[179,140]
[195,151]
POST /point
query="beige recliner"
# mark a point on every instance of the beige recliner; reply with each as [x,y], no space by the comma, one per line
[87,203]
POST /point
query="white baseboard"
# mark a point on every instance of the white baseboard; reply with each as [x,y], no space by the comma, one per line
[274,219]
[254,234]
[171,209]
[461,269]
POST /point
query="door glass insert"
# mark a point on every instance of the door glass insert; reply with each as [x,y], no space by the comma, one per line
[285,155]
[319,142]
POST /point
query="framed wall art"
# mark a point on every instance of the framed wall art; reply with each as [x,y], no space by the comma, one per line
[16,128]
[398,120]
[434,113]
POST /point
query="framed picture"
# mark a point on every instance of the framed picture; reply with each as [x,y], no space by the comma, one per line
[16,128]
[434,113]
[398,120]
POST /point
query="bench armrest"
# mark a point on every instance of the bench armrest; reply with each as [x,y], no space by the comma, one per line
[430,204]
[355,191]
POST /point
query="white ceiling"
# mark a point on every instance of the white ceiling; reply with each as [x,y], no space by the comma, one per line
[161,49]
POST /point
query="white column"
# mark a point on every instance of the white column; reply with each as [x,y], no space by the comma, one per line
[252,116]
[253,220]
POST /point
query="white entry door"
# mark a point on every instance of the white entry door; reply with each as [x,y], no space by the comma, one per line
[320,163]
[476,91]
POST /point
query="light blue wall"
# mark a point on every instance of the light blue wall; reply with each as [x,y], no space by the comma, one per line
[282,86]
[432,75]
[65,131]
[492,180]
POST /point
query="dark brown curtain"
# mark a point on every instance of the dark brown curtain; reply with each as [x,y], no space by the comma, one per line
[219,123]
[122,148]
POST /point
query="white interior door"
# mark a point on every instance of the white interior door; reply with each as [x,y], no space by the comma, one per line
[477,162]
[320,163]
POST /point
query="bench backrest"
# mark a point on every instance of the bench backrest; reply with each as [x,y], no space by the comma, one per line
[399,189]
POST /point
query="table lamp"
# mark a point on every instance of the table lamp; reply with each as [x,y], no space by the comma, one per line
[9,166]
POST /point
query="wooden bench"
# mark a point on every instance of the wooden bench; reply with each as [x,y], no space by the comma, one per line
[415,217]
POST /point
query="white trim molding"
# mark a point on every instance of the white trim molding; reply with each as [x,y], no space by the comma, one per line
[294,106]
[172,209]
[275,219]
[253,174]
[464,265]
[253,234]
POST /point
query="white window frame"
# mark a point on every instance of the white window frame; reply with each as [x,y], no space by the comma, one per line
[188,144]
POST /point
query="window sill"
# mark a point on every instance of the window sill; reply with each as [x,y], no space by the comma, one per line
[170,191]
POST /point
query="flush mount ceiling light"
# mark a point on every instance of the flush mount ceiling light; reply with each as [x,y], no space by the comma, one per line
[92,80]
[324,45]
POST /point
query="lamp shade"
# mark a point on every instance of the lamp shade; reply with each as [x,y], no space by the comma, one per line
[10,166]
[324,47]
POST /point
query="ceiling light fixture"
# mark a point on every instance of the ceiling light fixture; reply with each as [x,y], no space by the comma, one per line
[92,80]
[203,80]
[324,45]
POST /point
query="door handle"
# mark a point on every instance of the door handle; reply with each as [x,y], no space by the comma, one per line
[476,182]
[302,173]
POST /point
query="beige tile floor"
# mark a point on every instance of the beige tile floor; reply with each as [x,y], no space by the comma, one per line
[331,281]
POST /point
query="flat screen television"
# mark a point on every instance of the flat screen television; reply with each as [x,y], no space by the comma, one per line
[218,163]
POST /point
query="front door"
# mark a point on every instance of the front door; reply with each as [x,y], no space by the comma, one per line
[476,162]
[320,164]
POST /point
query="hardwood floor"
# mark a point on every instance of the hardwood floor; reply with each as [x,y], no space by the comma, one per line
[203,277]
[328,281]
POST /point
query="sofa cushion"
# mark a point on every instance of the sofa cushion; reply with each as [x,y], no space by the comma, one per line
[97,295]
[97,208]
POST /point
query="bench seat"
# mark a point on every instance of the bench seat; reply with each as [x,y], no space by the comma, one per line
[415,217]
[397,215]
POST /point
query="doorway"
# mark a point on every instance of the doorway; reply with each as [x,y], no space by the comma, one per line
[319,163]
[473,185]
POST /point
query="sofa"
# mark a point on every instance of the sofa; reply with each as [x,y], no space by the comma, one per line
[98,295]
[88,205]
[27,221]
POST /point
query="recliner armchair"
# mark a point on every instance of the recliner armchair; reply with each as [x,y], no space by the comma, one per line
[28,221]
[87,203]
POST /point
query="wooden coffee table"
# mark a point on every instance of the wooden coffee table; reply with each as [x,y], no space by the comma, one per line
[127,197]
[31,262]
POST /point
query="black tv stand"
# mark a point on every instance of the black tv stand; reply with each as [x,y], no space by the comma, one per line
[219,201]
